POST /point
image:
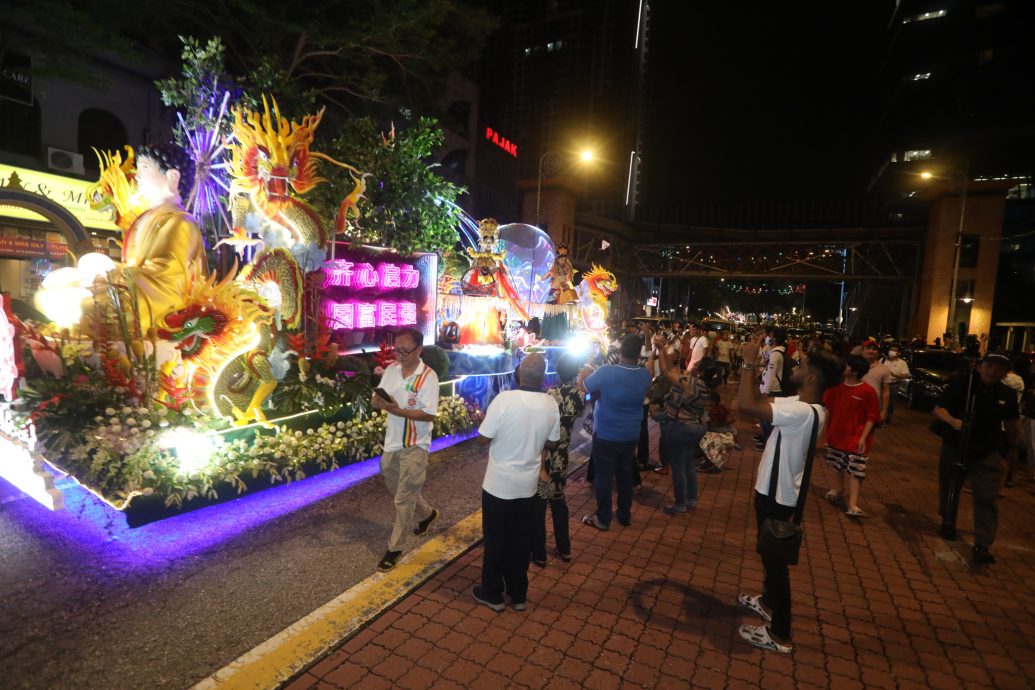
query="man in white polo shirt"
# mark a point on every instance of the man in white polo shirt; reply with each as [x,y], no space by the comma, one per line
[698,346]
[517,426]
[413,388]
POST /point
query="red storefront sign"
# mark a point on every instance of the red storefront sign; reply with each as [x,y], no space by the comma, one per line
[501,141]
[29,248]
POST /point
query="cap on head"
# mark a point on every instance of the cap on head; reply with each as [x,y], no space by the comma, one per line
[997,358]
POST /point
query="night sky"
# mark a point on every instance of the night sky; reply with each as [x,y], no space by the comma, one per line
[762,101]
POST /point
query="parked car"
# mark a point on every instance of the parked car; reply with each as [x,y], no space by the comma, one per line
[929,373]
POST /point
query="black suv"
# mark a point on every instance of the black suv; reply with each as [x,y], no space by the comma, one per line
[929,373]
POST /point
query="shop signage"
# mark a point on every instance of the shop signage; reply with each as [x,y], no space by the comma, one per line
[16,77]
[65,191]
[501,141]
[366,295]
[30,248]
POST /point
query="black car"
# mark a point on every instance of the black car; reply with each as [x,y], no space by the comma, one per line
[929,373]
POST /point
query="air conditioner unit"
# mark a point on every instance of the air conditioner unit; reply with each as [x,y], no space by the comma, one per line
[65,161]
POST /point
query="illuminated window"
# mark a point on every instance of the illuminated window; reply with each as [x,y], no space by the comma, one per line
[924,17]
[917,155]
[921,76]
[894,156]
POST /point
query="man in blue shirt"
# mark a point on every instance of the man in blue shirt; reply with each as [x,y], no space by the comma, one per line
[616,430]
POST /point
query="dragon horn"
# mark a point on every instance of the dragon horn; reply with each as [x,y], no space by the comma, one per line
[328,159]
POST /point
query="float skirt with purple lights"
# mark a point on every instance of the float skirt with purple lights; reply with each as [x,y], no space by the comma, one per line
[51,487]
[27,466]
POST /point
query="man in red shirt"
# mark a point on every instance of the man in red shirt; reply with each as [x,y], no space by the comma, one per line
[853,409]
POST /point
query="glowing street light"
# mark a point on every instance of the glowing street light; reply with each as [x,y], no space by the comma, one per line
[550,162]
[926,175]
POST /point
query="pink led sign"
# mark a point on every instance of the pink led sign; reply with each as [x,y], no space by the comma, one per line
[348,316]
[366,294]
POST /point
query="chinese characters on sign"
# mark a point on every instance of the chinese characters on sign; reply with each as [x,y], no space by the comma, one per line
[387,276]
[365,296]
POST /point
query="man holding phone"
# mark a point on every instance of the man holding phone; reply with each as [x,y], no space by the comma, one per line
[409,394]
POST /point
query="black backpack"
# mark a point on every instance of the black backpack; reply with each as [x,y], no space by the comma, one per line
[787,385]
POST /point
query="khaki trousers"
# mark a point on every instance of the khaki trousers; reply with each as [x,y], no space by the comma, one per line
[404,472]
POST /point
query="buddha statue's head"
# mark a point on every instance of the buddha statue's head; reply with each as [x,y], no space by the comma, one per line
[165,174]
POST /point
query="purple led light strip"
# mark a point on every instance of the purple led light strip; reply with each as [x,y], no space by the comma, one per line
[91,526]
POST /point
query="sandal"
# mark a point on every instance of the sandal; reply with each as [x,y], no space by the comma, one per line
[856,512]
[754,603]
[832,496]
[661,469]
[759,636]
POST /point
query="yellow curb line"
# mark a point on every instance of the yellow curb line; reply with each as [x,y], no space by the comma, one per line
[300,644]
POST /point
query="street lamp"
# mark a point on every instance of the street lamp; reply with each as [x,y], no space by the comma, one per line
[550,162]
[959,179]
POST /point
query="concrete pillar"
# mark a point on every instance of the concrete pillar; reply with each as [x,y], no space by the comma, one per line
[983,217]
[556,207]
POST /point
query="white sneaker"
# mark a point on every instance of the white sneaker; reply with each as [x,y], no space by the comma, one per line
[758,635]
[754,603]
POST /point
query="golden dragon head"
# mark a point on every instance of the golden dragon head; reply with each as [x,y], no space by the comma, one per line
[217,319]
[116,188]
[271,156]
[601,282]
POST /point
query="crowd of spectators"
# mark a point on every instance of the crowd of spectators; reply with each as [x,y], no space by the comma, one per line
[800,389]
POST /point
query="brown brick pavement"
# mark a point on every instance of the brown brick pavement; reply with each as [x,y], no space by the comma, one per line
[878,603]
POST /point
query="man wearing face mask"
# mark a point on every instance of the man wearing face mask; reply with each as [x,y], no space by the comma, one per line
[899,370]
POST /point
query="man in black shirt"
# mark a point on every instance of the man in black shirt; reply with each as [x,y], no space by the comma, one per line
[994,433]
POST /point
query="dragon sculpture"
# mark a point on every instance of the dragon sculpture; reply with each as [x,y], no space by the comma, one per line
[596,288]
[272,166]
[226,332]
[115,190]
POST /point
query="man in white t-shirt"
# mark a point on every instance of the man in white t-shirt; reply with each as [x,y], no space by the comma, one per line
[517,426]
[879,376]
[698,346]
[793,420]
[412,387]
[900,370]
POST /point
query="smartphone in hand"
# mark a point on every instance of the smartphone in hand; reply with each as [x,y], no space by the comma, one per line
[381,393]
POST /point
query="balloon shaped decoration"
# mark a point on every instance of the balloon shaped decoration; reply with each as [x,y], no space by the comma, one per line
[530,254]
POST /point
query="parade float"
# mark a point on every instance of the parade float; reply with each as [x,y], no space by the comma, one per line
[161,385]
[164,381]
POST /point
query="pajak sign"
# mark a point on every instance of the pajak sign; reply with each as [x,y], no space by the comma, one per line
[501,141]
[369,293]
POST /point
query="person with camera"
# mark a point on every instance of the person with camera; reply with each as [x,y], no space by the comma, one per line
[980,427]
[685,418]
[409,394]
[782,481]
[618,411]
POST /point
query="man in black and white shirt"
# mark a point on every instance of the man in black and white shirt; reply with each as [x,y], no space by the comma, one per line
[517,426]
[793,418]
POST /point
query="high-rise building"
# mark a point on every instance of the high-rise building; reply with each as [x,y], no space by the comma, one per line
[954,95]
[566,76]
[955,136]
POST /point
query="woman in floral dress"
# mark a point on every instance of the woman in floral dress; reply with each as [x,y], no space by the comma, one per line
[555,467]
